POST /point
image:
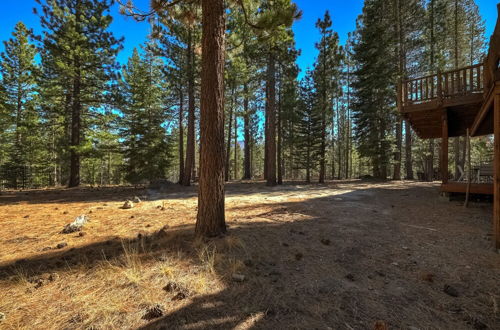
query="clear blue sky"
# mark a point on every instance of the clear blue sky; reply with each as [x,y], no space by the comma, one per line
[343,12]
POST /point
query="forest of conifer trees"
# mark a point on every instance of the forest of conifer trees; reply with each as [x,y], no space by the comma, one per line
[72,114]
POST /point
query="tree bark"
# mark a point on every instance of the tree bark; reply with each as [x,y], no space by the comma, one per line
[271,121]
[235,147]
[280,132]
[190,152]
[229,133]
[211,219]
[248,168]
[74,177]
[181,135]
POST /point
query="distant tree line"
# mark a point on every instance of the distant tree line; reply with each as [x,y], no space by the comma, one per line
[70,114]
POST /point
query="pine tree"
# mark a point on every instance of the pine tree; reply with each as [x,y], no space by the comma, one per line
[81,52]
[146,144]
[19,77]
[308,136]
[326,71]
[374,85]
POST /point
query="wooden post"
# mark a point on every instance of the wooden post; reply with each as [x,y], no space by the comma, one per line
[496,173]
[444,147]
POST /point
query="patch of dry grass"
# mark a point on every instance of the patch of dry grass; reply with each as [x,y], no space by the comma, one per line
[127,262]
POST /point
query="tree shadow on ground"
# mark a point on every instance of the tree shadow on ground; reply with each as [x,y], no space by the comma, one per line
[339,261]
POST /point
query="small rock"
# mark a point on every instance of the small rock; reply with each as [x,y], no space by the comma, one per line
[350,277]
[131,217]
[154,312]
[127,205]
[451,291]
[285,244]
[299,256]
[238,277]
[61,245]
[394,264]
[136,199]
[82,233]
[47,248]
[2,317]
[326,241]
[65,212]
[26,216]
[248,263]
[76,225]
[405,248]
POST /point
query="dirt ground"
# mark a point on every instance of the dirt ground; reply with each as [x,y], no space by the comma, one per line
[343,255]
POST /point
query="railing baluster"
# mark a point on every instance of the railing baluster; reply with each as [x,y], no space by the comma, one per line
[471,80]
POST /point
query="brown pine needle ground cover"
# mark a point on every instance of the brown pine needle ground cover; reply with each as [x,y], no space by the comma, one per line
[342,256]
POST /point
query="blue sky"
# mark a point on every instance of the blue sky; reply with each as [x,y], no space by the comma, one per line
[343,12]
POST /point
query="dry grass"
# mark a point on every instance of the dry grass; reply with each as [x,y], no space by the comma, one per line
[338,256]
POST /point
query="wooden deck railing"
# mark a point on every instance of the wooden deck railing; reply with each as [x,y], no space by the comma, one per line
[443,85]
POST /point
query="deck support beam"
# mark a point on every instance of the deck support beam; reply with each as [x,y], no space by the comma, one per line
[496,172]
[444,146]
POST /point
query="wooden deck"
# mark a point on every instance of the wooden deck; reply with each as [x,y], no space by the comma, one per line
[475,188]
[459,93]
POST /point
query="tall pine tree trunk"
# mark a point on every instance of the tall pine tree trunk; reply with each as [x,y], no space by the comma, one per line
[247,167]
[271,121]
[74,177]
[190,151]
[227,168]
[181,135]
[280,132]
[211,219]
[235,147]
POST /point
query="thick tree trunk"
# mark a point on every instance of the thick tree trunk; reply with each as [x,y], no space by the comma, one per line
[190,152]
[247,168]
[74,176]
[271,122]
[408,153]
[181,135]
[211,219]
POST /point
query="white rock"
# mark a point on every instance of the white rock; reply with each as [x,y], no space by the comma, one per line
[128,205]
[76,225]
